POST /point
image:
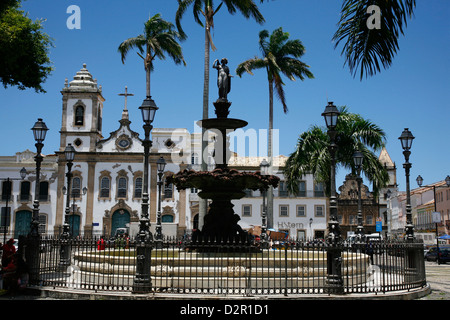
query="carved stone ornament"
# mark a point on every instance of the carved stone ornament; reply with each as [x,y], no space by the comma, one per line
[123,142]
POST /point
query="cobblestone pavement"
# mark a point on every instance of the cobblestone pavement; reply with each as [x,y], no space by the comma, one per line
[438,276]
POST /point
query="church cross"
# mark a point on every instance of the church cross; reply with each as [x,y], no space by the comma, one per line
[126,94]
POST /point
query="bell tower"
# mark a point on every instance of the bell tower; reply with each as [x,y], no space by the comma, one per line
[387,162]
[82,112]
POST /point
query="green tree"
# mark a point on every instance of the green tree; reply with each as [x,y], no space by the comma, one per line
[367,48]
[354,133]
[280,56]
[24,49]
[159,38]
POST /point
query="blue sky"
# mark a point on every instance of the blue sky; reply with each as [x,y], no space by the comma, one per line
[412,94]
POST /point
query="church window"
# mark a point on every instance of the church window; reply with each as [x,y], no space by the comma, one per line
[104,187]
[167,218]
[79,115]
[99,119]
[138,188]
[78,142]
[122,188]
[43,191]
[168,190]
[76,187]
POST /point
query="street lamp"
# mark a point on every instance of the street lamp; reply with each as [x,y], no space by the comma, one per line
[39,131]
[331,116]
[406,140]
[264,169]
[419,180]
[69,154]
[32,252]
[358,158]
[161,165]
[142,280]
[334,278]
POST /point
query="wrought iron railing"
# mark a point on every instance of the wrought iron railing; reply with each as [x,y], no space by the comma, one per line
[285,268]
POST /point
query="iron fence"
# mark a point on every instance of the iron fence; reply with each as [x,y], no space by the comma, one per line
[179,266]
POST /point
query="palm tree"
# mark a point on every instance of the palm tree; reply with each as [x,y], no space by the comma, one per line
[370,48]
[280,56]
[159,38]
[354,133]
[206,8]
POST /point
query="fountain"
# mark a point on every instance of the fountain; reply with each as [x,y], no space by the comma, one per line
[223,184]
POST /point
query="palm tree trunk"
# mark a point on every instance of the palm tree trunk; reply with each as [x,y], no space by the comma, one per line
[203,202]
[147,71]
[270,156]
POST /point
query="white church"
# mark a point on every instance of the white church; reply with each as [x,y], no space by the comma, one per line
[107,180]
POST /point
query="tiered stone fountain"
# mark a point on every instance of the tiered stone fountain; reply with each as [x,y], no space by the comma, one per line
[222,185]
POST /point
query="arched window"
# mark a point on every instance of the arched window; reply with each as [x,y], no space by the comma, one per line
[122,188]
[168,190]
[138,188]
[79,115]
[104,187]
[76,187]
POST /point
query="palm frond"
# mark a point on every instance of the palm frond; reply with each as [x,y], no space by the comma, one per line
[250,65]
[370,49]
[132,43]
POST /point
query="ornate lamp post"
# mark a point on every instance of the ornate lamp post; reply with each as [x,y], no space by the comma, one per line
[32,252]
[161,165]
[144,240]
[264,168]
[406,140]
[64,261]
[39,132]
[419,180]
[358,158]
[334,259]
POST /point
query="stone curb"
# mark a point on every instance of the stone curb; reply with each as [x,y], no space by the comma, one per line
[73,294]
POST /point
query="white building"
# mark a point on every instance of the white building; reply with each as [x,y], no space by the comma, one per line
[107,178]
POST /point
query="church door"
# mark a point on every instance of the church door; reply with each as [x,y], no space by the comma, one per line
[120,219]
[23,223]
[74,225]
